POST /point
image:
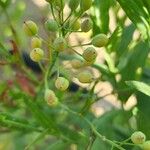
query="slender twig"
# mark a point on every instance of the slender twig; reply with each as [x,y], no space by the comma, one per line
[11,26]
[72,23]
[41,67]
[75,51]
[67,18]
[103,138]
[81,45]
[49,69]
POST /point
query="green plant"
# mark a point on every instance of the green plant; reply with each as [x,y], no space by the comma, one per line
[43,106]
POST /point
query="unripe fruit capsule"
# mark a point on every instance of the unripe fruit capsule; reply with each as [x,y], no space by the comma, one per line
[138,137]
[61,83]
[146,145]
[50,97]
[73,4]
[51,25]
[86,25]
[76,64]
[90,54]
[100,40]
[30,28]
[59,44]
[85,4]
[76,26]
[85,77]
[36,54]
[88,63]
[36,42]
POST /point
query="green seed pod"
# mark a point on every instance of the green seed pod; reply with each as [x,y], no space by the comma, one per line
[76,64]
[88,63]
[36,42]
[146,145]
[50,97]
[73,4]
[59,44]
[100,40]
[86,25]
[85,4]
[30,28]
[85,77]
[76,26]
[138,137]
[90,54]
[61,83]
[51,25]
[59,4]
[36,54]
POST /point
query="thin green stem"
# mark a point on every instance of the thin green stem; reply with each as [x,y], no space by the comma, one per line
[112,147]
[81,45]
[11,26]
[41,67]
[68,17]
[103,138]
[130,144]
[3,47]
[62,13]
[75,51]
[52,10]
[72,23]
[49,69]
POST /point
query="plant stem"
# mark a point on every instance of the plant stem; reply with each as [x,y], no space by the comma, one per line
[79,15]
[67,18]
[49,69]
[41,67]
[11,26]
[75,51]
[103,138]
[81,45]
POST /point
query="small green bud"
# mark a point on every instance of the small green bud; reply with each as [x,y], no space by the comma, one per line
[30,28]
[51,25]
[36,42]
[146,145]
[90,54]
[73,4]
[85,4]
[138,137]
[59,44]
[61,83]
[86,25]
[50,97]
[85,77]
[76,64]
[100,40]
[36,54]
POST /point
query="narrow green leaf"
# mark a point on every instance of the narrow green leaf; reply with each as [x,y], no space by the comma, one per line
[37,139]
[140,86]
[59,145]
[14,123]
[103,7]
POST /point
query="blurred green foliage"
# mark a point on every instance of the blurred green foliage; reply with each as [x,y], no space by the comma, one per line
[25,119]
